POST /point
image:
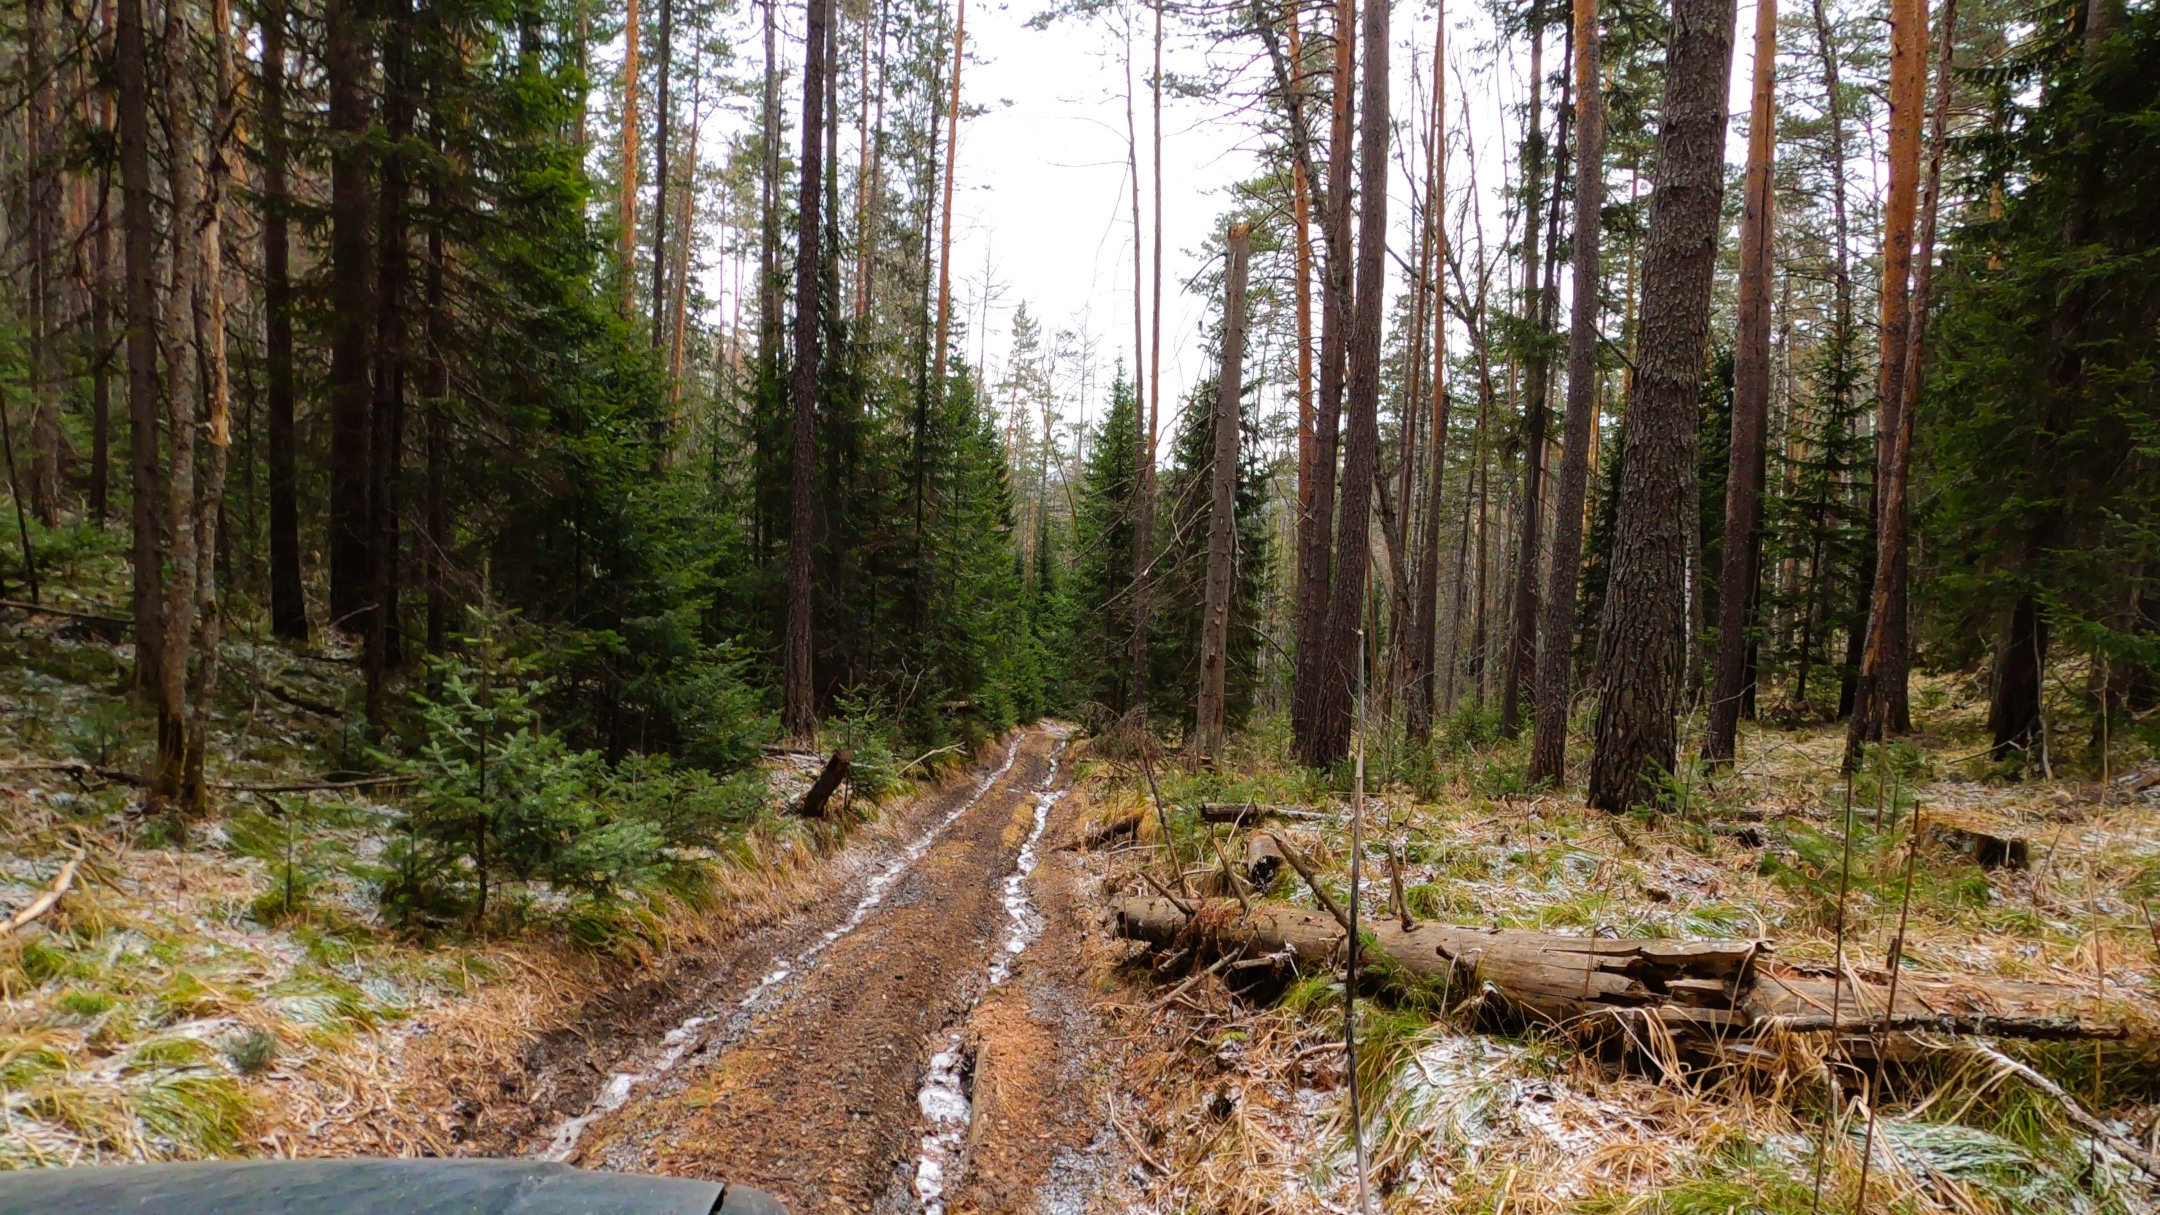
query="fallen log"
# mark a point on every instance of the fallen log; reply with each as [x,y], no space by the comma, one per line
[1989,844]
[78,769]
[1114,829]
[46,609]
[47,899]
[1263,862]
[821,791]
[1251,812]
[1695,988]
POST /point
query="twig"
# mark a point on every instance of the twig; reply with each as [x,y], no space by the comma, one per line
[1230,877]
[2130,1151]
[1164,891]
[911,763]
[1304,867]
[1897,967]
[78,769]
[48,900]
[1402,902]
[46,609]
[1837,980]
[1147,768]
[1181,988]
[367,782]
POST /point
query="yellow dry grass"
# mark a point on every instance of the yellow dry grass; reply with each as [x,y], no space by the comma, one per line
[1234,1105]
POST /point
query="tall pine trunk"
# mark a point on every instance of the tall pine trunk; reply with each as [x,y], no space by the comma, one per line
[661,115]
[288,603]
[1361,438]
[345,67]
[1548,748]
[209,323]
[1222,516]
[798,703]
[1879,663]
[1316,521]
[177,334]
[626,187]
[1144,472]
[42,188]
[1741,553]
[1425,608]
[139,307]
[1640,636]
[1522,634]
[1907,97]
[387,436]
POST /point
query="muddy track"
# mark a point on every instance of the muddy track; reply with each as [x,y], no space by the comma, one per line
[924,1050]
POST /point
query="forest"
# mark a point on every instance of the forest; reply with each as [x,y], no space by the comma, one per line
[502,484]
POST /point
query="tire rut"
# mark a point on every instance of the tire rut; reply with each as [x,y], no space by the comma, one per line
[809,1089]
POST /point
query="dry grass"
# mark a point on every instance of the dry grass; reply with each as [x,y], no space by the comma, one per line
[189,999]
[1239,1104]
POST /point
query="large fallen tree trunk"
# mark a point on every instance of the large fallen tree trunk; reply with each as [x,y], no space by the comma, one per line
[1252,812]
[1694,988]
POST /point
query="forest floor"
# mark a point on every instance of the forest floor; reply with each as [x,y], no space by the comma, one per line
[898,1013]
[929,1010]
[1469,1109]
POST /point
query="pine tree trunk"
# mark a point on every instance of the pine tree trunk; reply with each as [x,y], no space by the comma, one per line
[626,187]
[661,115]
[387,439]
[177,333]
[1548,750]
[1640,638]
[1301,216]
[42,196]
[437,391]
[101,295]
[209,308]
[1361,438]
[939,352]
[2014,720]
[769,331]
[1151,400]
[1143,445]
[1841,328]
[1315,666]
[798,705]
[1741,555]
[1881,676]
[139,307]
[1222,517]
[1523,606]
[288,603]
[1907,97]
[345,67]
[1425,611]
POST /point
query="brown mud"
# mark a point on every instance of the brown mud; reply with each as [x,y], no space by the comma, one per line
[794,1058]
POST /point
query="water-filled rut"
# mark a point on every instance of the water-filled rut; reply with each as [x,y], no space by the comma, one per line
[838,1081]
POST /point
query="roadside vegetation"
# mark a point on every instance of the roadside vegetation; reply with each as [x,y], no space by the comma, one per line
[1241,1095]
[353,926]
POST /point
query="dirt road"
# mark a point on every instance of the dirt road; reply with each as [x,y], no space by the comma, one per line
[914,1045]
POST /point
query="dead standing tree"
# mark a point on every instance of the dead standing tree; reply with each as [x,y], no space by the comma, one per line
[1548,748]
[1222,516]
